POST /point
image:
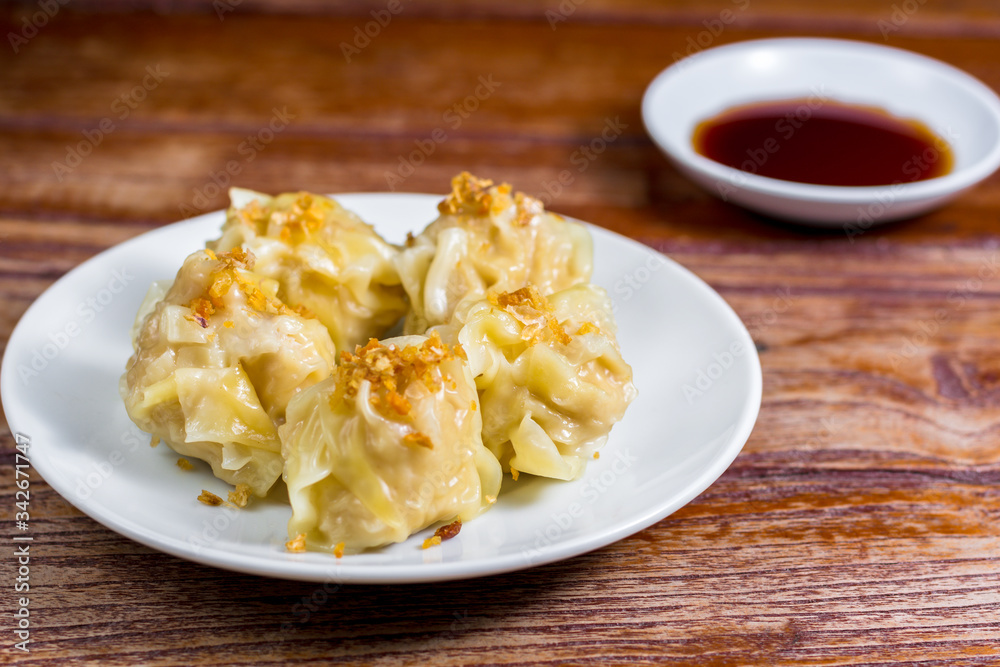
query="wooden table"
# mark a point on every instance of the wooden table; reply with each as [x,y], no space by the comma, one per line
[861,523]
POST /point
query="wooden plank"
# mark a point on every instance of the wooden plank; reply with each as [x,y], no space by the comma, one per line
[159,161]
[918,17]
[859,526]
[778,562]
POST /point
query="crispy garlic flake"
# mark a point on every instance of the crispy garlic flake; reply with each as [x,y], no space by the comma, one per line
[227,274]
[297,223]
[241,496]
[478,197]
[390,370]
[534,311]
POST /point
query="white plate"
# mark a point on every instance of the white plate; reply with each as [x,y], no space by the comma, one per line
[959,108]
[60,388]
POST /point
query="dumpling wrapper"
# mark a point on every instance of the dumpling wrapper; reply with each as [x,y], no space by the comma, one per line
[487,239]
[551,379]
[390,444]
[216,360]
[323,257]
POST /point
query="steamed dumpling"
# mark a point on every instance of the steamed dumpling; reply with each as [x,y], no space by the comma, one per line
[388,445]
[216,360]
[487,239]
[551,379]
[324,258]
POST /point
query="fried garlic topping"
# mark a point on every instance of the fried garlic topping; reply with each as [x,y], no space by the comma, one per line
[390,371]
[534,311]
[478,197]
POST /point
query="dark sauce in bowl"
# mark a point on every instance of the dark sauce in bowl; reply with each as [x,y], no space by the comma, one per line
[823,143]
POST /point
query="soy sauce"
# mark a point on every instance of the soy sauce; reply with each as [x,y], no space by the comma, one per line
[823,143]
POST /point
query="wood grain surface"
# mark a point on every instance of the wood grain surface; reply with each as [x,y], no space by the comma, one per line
[861,523]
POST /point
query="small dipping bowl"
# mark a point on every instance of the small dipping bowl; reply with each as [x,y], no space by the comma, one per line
[954,105]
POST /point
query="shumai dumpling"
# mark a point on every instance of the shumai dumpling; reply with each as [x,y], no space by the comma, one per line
[488,239]
[388,445]
[551,379]
[216,361]
[325,259]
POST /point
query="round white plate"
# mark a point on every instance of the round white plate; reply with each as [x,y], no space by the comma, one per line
[957,107]
[696,370]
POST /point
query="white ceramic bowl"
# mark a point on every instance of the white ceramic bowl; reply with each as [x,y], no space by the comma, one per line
[955,105]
